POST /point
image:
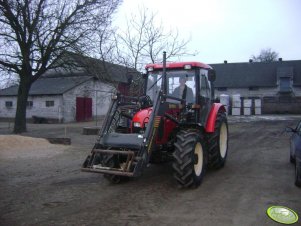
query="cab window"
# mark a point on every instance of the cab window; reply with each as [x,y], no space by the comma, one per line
[153,84]
[178,81]
[204,84]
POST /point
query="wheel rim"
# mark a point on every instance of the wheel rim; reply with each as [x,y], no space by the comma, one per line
[198,165]
[223,138]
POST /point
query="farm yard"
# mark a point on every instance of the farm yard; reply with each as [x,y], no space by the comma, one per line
[41,183]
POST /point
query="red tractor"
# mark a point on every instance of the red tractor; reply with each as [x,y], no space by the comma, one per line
[176,119]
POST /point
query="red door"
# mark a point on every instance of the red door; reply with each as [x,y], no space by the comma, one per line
[83,109]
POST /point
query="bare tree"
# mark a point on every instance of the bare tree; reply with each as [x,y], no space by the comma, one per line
[35,33]
[265,55]
[7,80]
[144,40]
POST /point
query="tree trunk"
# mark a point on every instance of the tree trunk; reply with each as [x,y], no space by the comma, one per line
[20,118]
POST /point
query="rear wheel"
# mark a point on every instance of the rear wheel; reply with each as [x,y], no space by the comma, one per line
[298,174]
[190,159]
[218,142]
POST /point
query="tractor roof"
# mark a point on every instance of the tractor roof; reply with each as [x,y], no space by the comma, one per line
[178,65]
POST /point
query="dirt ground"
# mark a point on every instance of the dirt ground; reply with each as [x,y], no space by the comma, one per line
[41,183]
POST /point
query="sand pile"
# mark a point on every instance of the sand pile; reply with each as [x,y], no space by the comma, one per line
[15,146]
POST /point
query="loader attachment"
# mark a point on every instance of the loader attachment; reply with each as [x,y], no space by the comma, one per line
[118,151]
[94,165]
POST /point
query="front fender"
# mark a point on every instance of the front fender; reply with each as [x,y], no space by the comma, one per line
[210,125]
[142,116]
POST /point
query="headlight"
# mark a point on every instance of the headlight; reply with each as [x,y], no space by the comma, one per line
[136,124]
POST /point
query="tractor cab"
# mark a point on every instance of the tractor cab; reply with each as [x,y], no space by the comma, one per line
[180,84]
[187,84]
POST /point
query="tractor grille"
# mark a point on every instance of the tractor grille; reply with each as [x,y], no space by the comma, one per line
[138,130]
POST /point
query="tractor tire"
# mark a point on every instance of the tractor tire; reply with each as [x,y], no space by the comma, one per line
[190,159]
[112,161]
[298,174]
[218,142]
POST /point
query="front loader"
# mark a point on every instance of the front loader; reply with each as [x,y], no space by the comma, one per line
[175,119]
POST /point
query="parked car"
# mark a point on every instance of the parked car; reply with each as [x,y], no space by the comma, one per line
[295,151]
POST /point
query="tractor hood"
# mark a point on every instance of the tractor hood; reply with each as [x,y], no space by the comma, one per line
[141,117]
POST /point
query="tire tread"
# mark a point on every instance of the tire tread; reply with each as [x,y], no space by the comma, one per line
[183,164]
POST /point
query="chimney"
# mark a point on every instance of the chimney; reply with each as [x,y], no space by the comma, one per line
[250,61]
[225,62]
[280,59]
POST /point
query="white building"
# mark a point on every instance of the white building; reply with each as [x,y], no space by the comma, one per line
[69,96]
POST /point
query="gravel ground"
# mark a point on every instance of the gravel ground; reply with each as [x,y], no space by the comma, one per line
[46,187]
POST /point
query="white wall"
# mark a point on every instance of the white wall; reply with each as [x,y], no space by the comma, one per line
[98,91]
[38,109]
[261,92]
[8,112]
[245,92]
[64,108]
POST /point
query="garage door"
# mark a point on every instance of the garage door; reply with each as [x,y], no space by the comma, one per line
[83,109]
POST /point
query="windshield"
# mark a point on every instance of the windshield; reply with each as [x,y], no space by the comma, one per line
[180,84]
[154,82]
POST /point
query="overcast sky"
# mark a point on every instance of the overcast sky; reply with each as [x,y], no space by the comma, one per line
[231,30]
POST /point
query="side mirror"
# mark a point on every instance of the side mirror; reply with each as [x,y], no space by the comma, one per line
[211,75]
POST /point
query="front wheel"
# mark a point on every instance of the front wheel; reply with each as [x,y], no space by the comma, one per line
[218,142]
[190,159]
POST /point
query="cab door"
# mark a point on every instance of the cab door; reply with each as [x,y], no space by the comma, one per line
[204,96]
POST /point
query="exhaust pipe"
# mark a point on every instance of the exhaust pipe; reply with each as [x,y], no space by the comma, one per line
[164,74]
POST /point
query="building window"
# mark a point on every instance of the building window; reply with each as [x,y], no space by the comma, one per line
[222,88]
[285,85]
[49,103]
[8,104]
[252,88]
[29,104]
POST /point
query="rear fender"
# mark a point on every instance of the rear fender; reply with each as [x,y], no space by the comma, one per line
[210,125]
